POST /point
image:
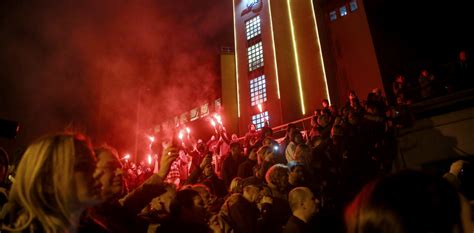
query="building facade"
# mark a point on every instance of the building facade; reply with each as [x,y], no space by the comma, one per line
[285,62]
[280,73]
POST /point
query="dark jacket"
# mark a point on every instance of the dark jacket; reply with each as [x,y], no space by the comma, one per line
[230,167]
[215,185]
[296,225]
[246,168]
[121,215]
[244,215]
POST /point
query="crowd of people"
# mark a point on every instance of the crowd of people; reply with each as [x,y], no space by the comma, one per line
[435,81]
[315,180]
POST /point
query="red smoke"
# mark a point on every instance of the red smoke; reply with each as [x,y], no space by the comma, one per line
[96,64]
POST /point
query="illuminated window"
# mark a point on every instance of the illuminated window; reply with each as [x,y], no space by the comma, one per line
[332,15]
[258,90]
[353,5]
[253,27]
[343,11]
[255,56]
[259,119]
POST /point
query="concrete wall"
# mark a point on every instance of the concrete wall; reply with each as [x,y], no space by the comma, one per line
[440,138]
[349,52]
[229,92]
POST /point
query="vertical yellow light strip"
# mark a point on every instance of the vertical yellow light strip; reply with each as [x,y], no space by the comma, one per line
[320,52]
[236,60]
[274,49]
[295,50]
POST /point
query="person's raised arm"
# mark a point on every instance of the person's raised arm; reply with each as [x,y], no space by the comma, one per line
[153,186]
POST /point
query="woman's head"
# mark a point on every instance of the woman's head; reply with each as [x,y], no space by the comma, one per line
[110,167]
[262,153]
[406,202]
[277,176]
[236,185]
[54,180]
[205,194]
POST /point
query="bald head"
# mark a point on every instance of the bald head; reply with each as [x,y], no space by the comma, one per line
[456,167]
[302,203]
[298,196]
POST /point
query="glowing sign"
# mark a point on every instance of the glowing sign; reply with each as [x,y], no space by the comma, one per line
[194,114]
[252,6]
[184,118]
[204,109]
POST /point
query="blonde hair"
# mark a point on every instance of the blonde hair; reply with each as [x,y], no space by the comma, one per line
[275,173]
[236,185]
[43,184]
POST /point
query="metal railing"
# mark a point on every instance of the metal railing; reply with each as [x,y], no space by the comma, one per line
[304,124]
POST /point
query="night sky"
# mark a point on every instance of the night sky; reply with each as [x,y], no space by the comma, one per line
[89,64]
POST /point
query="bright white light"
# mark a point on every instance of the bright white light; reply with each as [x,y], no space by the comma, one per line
[188,130]
[218,118]
[126,157]
[152,139]
[149,159]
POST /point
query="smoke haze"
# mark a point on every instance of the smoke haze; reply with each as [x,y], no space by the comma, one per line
[100,65]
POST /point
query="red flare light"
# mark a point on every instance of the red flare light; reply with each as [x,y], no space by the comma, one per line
[152,139]
[218,118]
[259,106]
[180,135]
[126,157]
[213,123]
[188,130]
[149,159]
